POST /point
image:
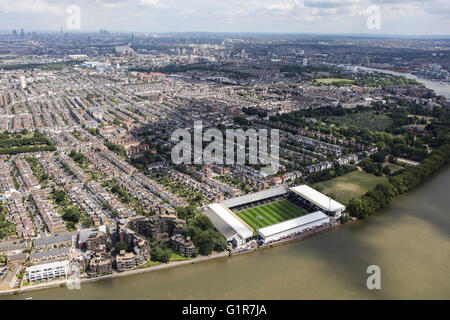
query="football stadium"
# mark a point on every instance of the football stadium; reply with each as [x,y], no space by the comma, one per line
[274,214]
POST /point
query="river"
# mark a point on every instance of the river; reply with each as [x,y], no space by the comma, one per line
[441,88]
[409,241]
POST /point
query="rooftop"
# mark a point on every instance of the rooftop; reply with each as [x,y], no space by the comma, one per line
[318,198]
[261,195]
[291,224]
[226,222]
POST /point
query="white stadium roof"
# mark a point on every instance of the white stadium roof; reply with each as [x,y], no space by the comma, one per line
[261,195]
[291,224]
[318,198]
[227,216]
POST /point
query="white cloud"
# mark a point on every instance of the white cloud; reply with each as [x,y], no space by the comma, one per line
[30,7]
[246,15]
[150,3]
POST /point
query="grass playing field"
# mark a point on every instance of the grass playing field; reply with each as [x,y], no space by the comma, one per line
[334,80]
[271,213]
[350,185]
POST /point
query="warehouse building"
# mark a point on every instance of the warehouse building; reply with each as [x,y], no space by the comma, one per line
[292,227]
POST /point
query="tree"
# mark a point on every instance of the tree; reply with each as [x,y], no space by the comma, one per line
[161,255]
[387,189]
[71,214]
[220,243]
[187,212]
[379,157]
[205,242]
[60,196]
[357,207]
[204,223]
[121,246]
[87,222]
[70,225]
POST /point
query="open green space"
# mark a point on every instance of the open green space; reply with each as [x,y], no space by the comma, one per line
[394,167]
[372,120]
[26,141]
[271,213]
[334,80]
[350,185]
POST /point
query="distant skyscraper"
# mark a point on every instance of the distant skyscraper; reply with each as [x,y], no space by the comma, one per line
[21,32]
[14,33]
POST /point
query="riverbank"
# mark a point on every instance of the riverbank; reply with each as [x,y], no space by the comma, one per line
[157,267]
[174,264]
[406,240]
[439,87]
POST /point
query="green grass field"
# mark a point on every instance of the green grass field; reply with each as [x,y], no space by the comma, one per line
[369,119]
[334,80]
[350,185]
[271,213]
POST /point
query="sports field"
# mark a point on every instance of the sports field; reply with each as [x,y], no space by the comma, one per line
[350,185]
[270,213]
[334,80]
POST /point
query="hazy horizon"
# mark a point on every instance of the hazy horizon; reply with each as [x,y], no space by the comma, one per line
[333,17]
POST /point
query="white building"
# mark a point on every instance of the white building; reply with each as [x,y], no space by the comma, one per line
[22,82]
[228,224]
[47,271]
[321,200]
[294,226]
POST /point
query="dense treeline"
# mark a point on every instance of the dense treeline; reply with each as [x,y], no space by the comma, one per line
[255,111]
[27,149]
[13,143]
[374,79]
[6,227]
[295,70]
[46,66]
[400,141]
[36,139]
[405,181]
[201,231]
[330,174]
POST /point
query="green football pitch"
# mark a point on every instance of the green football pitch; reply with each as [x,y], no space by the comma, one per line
[271,213]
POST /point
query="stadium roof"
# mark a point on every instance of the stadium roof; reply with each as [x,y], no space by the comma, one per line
[318,198]
[261,195]
[225,221]
[291,224]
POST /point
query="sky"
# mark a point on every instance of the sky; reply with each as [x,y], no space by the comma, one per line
[399,17]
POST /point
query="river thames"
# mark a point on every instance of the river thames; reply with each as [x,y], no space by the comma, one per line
[409,241]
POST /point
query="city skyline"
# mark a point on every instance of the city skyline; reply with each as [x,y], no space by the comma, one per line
[397,17]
